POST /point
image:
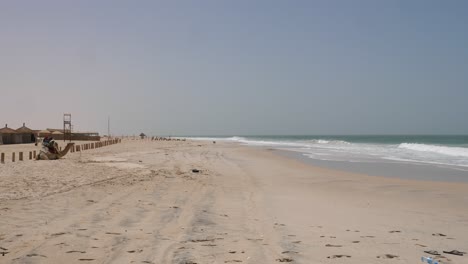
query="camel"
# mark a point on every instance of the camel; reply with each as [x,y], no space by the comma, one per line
[46,154]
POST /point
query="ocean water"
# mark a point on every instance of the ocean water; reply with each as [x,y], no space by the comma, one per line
[450,151]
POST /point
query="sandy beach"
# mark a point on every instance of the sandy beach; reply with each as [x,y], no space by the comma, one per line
[140,202]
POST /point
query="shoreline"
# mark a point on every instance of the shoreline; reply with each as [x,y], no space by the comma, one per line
[421,172]
[140,201]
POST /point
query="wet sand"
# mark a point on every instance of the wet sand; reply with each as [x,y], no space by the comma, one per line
[140,202]
[409,171]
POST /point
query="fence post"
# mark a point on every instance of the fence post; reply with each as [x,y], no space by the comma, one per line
[34,154]
[13,157]
[20,156]
[30,155]
[2,158]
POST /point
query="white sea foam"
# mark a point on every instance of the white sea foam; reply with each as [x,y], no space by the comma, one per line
[338,150]
[449,151]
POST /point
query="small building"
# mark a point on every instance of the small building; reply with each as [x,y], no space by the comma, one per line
[25,135]
[9,136]
[58,134]
[142,136]
[44,133]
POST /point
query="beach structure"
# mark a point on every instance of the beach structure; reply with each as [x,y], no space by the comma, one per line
[58,134]
[8,135]
[142,136]
[25,135]
[44,133]
[67,127]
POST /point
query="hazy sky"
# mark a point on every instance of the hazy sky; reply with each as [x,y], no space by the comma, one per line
[236,67]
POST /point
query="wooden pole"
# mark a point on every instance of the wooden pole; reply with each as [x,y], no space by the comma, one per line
[20,156]
[2,158]
[34,154]
[13,157]
[30,155]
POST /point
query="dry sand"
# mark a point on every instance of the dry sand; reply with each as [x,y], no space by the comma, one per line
[140,202]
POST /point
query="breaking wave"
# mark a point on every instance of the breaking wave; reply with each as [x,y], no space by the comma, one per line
[449,151]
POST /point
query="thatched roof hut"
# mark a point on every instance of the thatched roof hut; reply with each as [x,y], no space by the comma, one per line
[7,130]
[25,129]
[25,135]
[44,133]
[8,135]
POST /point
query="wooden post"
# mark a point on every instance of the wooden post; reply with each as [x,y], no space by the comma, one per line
[13,157]
[34,154]
[20,156]
[2,158]
[30,155]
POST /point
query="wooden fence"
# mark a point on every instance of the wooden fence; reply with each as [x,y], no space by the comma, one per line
[75,148]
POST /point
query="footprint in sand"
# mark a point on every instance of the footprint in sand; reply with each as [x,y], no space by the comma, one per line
[284,260]
[289,252]
[357,241]
[439,234]
[133,251]
[58,234]
[387,256]
[339,256]
[330,245]
[395,231]
[35,255]
[112,233]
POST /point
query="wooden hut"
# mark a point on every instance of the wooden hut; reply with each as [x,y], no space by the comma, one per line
[8,135]
[25,134]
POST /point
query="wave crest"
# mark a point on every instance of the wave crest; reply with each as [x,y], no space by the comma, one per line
[449,151]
